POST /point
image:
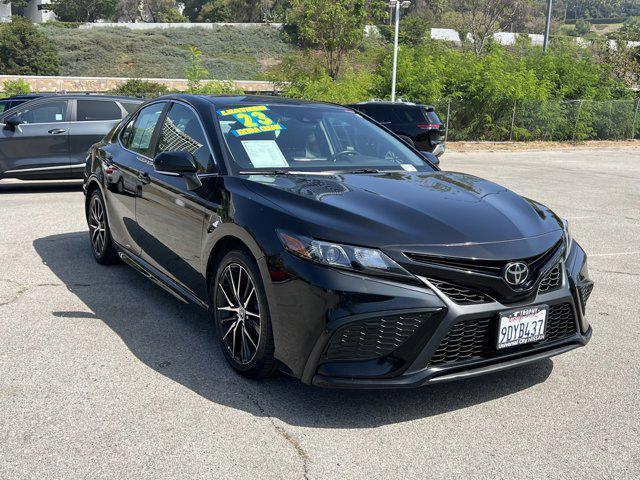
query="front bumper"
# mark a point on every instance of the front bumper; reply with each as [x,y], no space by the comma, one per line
[394,332]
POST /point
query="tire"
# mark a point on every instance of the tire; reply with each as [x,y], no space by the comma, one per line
[100,238]
[241,315]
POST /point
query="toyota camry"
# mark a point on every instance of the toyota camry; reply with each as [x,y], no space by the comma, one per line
[325,247]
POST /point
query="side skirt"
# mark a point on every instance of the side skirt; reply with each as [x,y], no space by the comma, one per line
[159,278]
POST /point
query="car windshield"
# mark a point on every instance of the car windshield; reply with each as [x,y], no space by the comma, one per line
[310,138]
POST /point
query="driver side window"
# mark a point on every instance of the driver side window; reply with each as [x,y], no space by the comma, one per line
[182,131]
[48,112]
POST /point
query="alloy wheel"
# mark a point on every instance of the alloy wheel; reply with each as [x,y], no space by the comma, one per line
[238,313]
[97,226]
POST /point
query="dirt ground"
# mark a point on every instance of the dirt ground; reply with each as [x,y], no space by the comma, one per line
[527,146]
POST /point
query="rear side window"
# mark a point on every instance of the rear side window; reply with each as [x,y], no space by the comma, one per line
[93,110]
[380,113]
[48,112]
[409,114]
[138,134]
[182,131]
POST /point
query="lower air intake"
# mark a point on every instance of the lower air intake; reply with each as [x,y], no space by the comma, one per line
[374,337]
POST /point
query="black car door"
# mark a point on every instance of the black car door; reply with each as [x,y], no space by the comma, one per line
[39,146]
[170,217]
[125,162]
[92,119]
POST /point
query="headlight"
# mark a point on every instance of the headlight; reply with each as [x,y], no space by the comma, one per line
[568,239]
[341,256]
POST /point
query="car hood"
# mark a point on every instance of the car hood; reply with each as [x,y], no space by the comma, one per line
[407,208]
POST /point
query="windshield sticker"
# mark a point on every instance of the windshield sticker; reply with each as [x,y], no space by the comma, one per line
[233,111]
[259,129]
[264,153]
[408,167]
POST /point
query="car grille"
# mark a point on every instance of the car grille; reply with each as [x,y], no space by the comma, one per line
[551,280]
[374,337]
[473,339]
[459,294]
[486,267]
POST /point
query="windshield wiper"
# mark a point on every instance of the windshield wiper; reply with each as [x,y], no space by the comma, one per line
[362,170]
[265,172]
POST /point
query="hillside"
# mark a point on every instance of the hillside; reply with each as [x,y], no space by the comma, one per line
[228,52]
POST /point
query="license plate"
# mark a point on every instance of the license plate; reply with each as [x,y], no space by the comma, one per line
[524,325]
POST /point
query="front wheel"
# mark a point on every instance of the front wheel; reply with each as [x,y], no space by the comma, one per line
[241,315]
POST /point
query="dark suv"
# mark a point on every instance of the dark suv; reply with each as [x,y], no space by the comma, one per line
[418,122]
[47,138]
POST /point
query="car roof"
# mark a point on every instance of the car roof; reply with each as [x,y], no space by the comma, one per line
[220,100]
[33,96]
[26,96]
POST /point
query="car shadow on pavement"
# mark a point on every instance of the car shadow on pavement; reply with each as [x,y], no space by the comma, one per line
[178,341]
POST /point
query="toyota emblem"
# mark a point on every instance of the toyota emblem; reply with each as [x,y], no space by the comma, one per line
[516,273]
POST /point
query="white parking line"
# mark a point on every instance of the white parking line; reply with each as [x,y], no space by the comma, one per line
[613,254]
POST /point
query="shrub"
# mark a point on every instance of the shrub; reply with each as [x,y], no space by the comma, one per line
[141,88]
[16,87]
[25,51]
[582,27]
[217,87]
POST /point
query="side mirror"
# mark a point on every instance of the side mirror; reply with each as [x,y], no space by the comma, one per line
[12,122]
[178,164]
[439,150]
[406,140]
[432,158]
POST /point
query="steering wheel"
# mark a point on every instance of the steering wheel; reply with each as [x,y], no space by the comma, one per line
[343,153]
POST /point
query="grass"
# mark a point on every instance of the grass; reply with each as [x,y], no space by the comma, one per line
[229,53]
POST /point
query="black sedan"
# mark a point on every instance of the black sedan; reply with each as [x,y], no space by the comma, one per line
[325,247]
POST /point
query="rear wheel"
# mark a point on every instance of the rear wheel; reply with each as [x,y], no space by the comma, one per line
[101,245]
[241,315]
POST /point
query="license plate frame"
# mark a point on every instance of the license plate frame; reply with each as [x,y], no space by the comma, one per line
[523,325]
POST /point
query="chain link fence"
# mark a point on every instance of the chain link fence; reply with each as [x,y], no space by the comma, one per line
[529,120]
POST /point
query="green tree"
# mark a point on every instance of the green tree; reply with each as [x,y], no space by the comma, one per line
[83,10]
[240,11]
[24,50]
[216,11]
[194,71]
[335,27]
[16,87]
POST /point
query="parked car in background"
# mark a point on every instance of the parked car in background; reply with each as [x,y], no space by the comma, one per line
[47,137]
[420,123]
[11,102]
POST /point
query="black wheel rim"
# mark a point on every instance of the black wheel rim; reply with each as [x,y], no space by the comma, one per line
[97,226]
[238,313]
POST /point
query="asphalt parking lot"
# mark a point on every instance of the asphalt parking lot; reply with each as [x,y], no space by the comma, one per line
[104,375]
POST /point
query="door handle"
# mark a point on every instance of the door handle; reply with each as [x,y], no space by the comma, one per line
[144,178]
[56,131]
